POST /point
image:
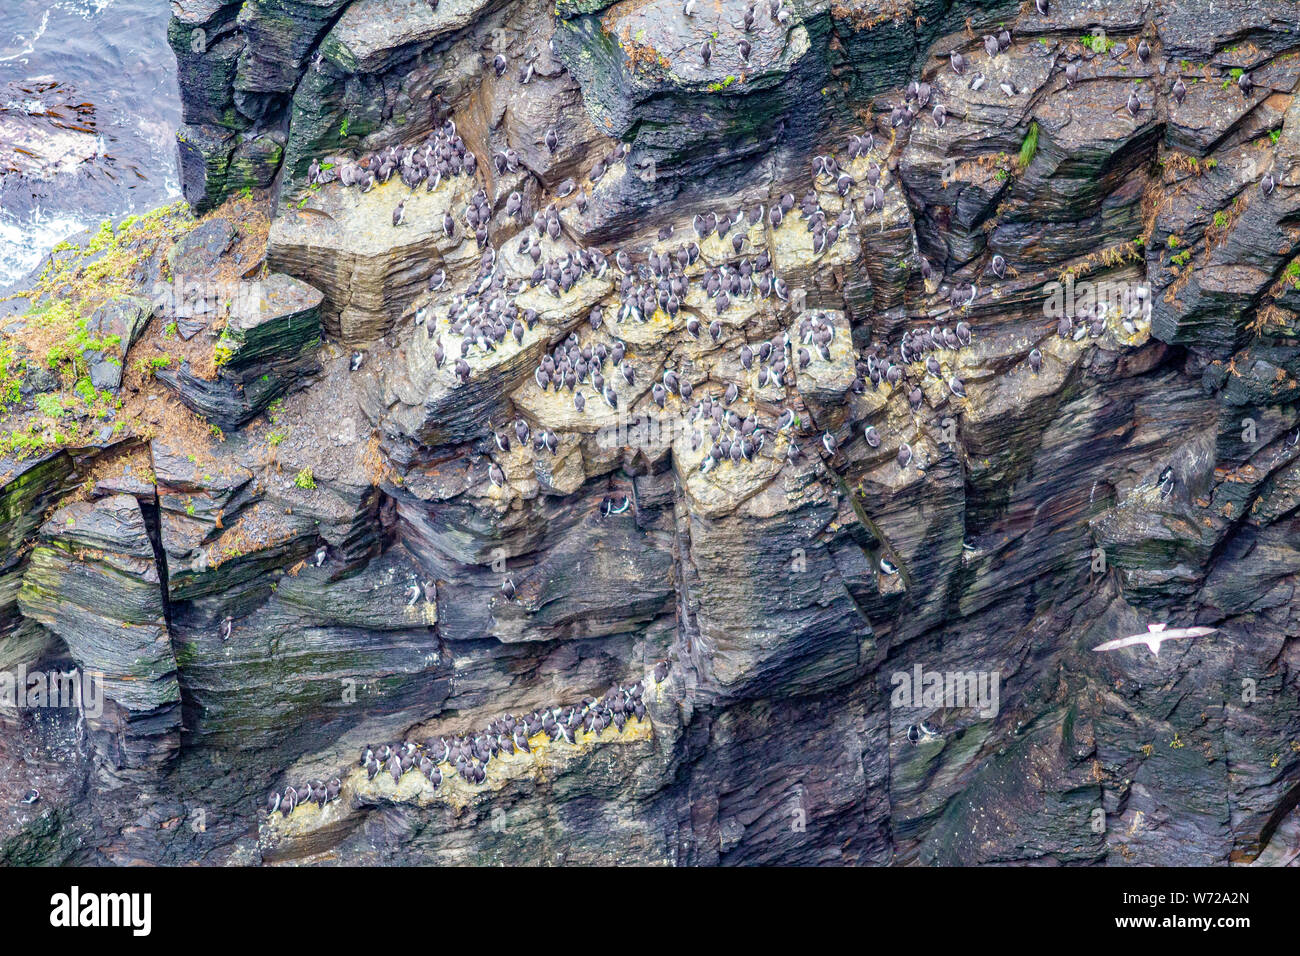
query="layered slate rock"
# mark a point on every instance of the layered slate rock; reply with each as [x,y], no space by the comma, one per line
[302,659]
[93,579]
[267,348]
[116,324]
[29,488]
[345,244]
[1101,419]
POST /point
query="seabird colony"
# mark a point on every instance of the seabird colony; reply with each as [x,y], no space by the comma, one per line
[653,281]
[470,756]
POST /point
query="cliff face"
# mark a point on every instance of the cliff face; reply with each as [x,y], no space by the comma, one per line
[1047,394]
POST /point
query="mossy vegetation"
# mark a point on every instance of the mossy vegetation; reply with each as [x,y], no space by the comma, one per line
[1029,148]
[78,280]
[11,374]
[46,393]
[1097,43]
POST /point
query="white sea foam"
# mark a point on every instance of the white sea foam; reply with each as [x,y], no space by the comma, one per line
[23,244]
[28,45]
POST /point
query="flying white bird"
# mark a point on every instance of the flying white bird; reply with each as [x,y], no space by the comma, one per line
[1155,634]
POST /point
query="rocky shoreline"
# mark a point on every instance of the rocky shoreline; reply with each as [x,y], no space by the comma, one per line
[300,471]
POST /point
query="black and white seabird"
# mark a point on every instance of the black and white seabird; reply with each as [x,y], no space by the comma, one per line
[1166,482]
[226,624]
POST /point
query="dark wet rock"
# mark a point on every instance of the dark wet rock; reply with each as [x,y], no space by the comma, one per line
[28,489]
[203,36]
[198,251]
[267,348]
[255,163]
[117,324]
[93,580]
[379,556]
[205,160]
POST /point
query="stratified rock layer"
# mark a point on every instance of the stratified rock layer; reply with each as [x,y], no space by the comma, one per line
[1028,382]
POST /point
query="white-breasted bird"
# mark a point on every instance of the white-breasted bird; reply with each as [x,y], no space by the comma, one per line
[1155,635]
